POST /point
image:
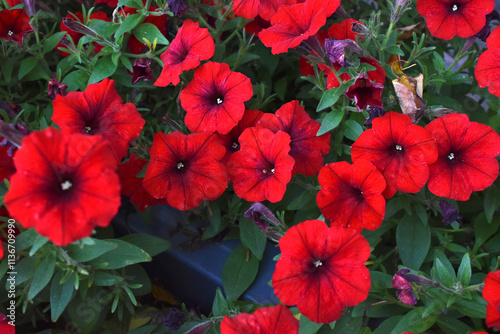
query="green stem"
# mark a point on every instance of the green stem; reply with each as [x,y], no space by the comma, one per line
[389,31]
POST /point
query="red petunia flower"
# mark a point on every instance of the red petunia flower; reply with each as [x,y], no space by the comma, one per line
[5,327]
[491,293]
[343,30]
[306,148]
[230,140]
[13,3]
[132,185]
[99,110]
[400,150]
[321,270]
[141,70]
[487,72]
[110,3]
[7,168]
[293,24]
[365,93]
[262,167]
[191,45]
[75,35]
[249,9]
[64,186]
[351,196]
[449,18]
[14,25]
[266,320]
[186,169]
[466,161]
[215,99]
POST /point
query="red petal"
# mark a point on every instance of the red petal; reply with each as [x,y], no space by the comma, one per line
[487,71]
[249,9]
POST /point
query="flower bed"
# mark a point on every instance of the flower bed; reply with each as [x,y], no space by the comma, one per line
[313,166]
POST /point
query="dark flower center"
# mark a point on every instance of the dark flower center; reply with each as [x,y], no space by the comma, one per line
[454,7]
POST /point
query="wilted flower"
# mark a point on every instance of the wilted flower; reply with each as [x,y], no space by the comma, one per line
[255,213]
[56,88]
[450,213]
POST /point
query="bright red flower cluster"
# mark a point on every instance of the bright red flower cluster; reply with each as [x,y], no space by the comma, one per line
[64,186]
[186,169]
[491,293]
[321,270]
[266,320]
[99,110]
[191,45]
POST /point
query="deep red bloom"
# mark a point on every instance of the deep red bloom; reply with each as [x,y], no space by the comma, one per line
[215,99]
[467,152]
[142,70]
[99,110]
[56,88]
[64,186]
[400,150]
[13,3]
[75,36]
[374,79]
[351,196]
[230,140]
[256,25]
[132,185]
[262,167]
[306,148]
[343,30]
[191,45]
[293,24]
[249,9]
[5,327]
[6,163]
[449,18]
[110,3]
[186,169]
[491,293]
[321,270]
[14,25]
[266,320]
[487,72]
[365,93]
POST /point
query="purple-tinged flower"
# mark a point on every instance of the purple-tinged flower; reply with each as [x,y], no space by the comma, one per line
[256,213]
[142,70]
[335,50]
[404,289]
[450,213]
[56,88]
[178,7]
[174,320]
[374,112]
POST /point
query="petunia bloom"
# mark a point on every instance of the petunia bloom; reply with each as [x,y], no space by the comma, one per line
[131,185]
[491,293]
[186,169]
[400,150]
[295,23]
[351,195]
[64,185]
[110,3]
[215,99]
[250,9]
[321,270]
[141,70]
[7,168]
[265,320]
[14,25]
[404,291]
[306,148]
[487,72]
[191,45]
[99,110]
[466,161]
[262,167]
[5,326]
[449,18]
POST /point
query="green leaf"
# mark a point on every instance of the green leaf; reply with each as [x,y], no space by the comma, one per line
[102,278]
[307,326]
[150,244]
[465,271]
[217,225]
[26,239]
[442,274]
[220,307]
[76,80]
[414,322]
[60,295]
[475,308]
[150,32]
[352,129]
[252,237]
[39,242]
[453,326]
[50,43]
[24,269]
[27,65]
[388,325]
[394,49]
[125,254]
[331,121]
[103,69]
[413,242]
[129,24]
[239,271]
[91,249]
[483,229]
[85,314]
[331,96]
[43,274]
[491,202]
[433,306]
[131,3]
[438,62]
[104,28]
